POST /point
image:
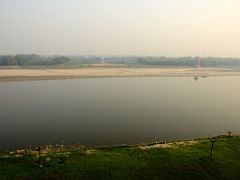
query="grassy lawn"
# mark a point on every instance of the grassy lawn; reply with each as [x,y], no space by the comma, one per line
[178,161]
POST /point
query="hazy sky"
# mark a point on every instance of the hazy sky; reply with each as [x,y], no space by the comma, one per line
[121,27]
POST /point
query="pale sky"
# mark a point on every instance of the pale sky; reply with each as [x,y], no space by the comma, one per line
[121,27]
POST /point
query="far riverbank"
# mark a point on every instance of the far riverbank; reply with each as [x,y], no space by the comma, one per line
[103,72]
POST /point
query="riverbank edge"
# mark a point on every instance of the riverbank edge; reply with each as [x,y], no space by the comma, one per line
[44,150]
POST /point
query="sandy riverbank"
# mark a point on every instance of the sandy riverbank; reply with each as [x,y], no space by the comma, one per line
[88,72]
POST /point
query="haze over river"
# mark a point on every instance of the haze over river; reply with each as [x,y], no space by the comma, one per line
[113,111]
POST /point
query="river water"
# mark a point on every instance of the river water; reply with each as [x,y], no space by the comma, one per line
[113,111]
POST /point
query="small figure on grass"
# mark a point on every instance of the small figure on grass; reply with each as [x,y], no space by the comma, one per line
[39,161]
[212,140]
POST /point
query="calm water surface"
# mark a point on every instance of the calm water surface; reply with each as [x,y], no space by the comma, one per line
[112,111]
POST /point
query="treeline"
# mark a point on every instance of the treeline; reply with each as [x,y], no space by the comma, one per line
[156,61]
[32,60]
[37,60]
[190,61]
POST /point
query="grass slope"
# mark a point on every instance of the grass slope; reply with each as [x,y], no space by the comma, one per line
[176,162]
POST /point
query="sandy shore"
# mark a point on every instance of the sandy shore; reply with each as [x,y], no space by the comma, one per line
[42,74]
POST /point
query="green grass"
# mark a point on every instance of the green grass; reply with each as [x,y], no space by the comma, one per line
[178,162]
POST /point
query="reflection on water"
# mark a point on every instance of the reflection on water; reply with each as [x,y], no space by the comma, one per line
[196,78]
[116,110]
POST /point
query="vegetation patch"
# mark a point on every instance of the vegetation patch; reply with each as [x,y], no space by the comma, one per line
[174,160]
